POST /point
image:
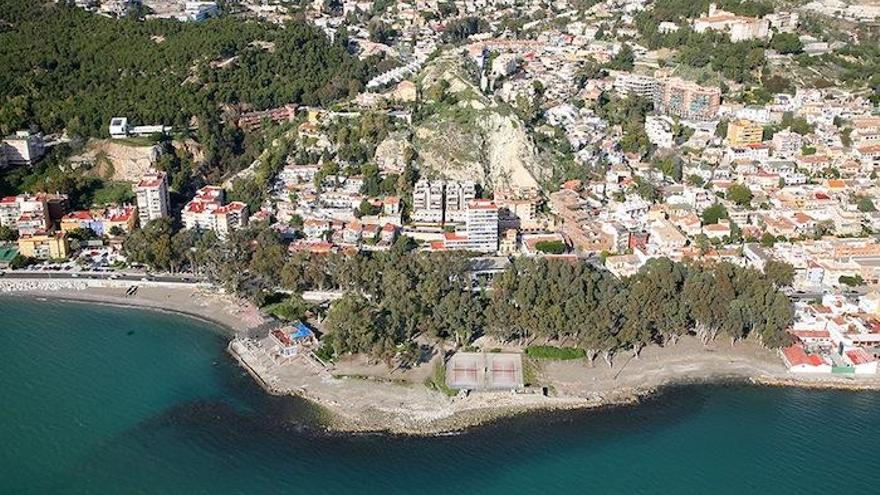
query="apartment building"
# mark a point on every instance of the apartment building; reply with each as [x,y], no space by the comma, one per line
[688,100]
[44,246]
[744,132]
[428,201]
[207,211]
[458,195]
[152,196]
[102,220]
[660,130]
[31,213]
[481,229]
[644,86]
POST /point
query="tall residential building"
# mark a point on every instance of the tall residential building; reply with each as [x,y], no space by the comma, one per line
[481,229]
[32,213]
[458,195]
[152,196]
[428,201]
[644,86]
[744,132]
[482,225]
[688,100]
[207,211]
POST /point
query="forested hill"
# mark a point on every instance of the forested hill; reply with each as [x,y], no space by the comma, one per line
[64,67]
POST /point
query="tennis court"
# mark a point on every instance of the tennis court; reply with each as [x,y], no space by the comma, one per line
[484,371]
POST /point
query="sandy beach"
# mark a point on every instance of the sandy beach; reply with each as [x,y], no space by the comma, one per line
[358,396]
[235,316]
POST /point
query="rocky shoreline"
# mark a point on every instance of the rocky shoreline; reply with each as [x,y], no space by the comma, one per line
[490,407]
[350,405]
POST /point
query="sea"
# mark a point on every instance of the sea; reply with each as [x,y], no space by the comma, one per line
[103,400]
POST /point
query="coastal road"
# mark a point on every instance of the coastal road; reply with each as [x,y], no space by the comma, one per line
[127,277]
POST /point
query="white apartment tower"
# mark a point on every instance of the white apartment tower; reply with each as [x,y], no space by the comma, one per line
[482,225]
[458,195]
[152,196]
[428,201]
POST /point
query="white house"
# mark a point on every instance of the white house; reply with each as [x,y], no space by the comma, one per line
[798,361]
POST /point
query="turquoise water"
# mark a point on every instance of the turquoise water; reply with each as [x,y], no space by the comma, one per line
[106,400]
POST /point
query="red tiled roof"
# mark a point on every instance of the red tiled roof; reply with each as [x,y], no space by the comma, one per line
[121,216]
[482,204]
[78,215]
[149,183]
[234,206]
[196,206]
[796,356]
[811,334]
[452,236]
[859,356]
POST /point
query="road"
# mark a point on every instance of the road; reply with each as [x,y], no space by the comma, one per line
[129,277]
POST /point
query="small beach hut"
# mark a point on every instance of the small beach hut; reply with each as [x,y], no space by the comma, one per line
[292,339]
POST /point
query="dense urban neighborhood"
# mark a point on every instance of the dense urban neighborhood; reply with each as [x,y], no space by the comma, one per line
[462,187]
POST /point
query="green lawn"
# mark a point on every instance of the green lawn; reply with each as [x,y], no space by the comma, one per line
[555,353]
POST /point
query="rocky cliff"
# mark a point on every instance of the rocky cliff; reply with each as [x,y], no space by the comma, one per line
[462,134]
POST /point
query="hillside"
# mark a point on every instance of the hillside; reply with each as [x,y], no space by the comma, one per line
[156,71]
[462,134]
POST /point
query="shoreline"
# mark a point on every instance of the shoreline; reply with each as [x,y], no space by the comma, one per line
[225,329]
[374,414]
[369,405]
[199,302]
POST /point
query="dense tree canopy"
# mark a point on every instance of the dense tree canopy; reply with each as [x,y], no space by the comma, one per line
[67,68]
[575,302]
[714,213]
[392,297]
[738,61]
[740,194]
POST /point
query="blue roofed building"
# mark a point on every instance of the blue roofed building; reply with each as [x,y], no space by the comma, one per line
[291,340]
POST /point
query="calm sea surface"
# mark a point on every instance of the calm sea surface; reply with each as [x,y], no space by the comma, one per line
[104,400]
